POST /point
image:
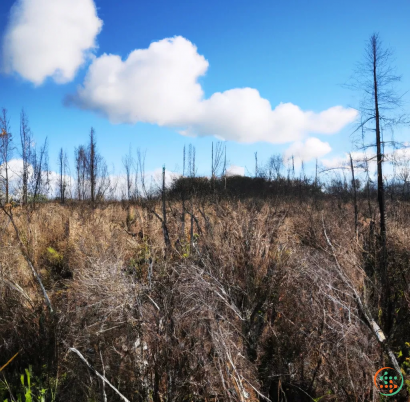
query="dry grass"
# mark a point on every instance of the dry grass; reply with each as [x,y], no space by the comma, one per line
[257,308]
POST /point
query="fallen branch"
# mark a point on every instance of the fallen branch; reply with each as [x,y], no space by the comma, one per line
[3,367]
[98,374]
[377,332]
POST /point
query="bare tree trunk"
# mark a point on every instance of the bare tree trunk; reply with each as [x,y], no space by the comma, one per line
[164,212]
[384,277]
[128,162]
[62,184]
[191,237]
[380,184]
[39,181]
[354,193]
[92,165]
[81,168]
[183,215]
[183,197]
[6,148]
[25,138]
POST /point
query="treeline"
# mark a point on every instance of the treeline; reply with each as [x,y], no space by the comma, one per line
[91,180]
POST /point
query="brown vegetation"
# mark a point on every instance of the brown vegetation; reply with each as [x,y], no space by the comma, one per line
[260,304]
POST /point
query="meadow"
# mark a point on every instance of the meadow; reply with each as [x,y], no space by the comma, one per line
[269,295]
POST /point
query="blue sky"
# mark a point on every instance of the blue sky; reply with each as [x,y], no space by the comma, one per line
[293,52]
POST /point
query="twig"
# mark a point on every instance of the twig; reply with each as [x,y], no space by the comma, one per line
[3,367]
[98,374]
[155,304]
[103,384]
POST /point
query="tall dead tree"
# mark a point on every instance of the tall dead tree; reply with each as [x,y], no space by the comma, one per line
[92,165]
[26,153]
[375,78]
[81,171]
[275,165]
[183,196]
[354,185]
[224,166]
[217,158]
[62,181]
[191,161]
[93,181]
[38,184]
[6,149]
[128,162]
[217,163]
[164,212]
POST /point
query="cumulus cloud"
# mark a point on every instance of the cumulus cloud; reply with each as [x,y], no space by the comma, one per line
[401,155]
[160,85]
[156,177]
[15,167]
[155,85]
[234,170]
[305,151]
[118,182]
[337,163]
[358,157]
[15,177]
[49,38]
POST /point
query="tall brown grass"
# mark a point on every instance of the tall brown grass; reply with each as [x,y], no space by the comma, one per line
[257,308]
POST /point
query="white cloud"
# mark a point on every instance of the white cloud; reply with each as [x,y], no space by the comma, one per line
[15,167]
[153,181]
[155,85]
[159,85]
[156,177]
[358,157]
[234,170]
[50,38]
[15,176]
[401,155]
[306,151]
[243,115]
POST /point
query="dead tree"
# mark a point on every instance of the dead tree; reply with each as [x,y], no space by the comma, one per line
[217,159]
[38,183]
[275,165]
[26,152]
[217,163]
[376,78]
[6,151]
[164,212]
[224,166]
[81,171]
[354,191]
[128,162]
[183,197]
[93,181]
[191,161]
[62,182]
[92,165]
